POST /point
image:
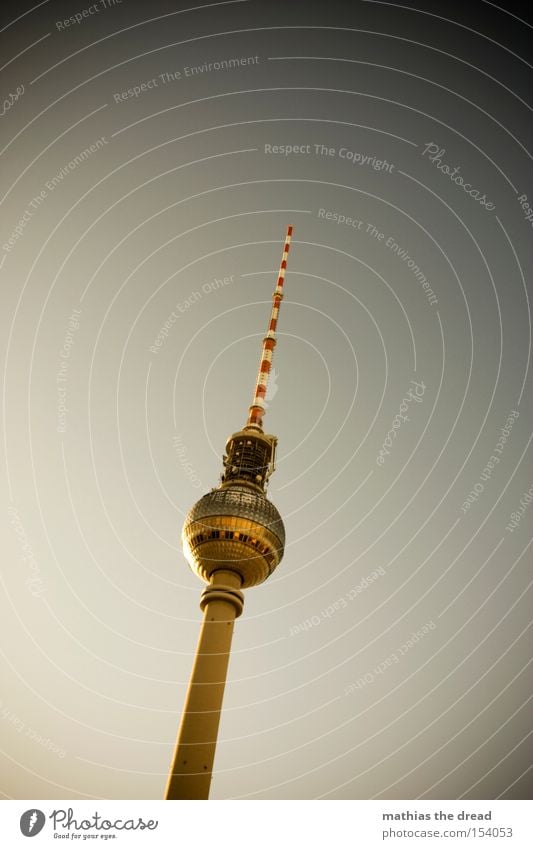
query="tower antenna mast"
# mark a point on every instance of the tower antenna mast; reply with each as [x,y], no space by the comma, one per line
[256,413]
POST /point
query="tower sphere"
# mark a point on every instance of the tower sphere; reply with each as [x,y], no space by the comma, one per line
[234,527]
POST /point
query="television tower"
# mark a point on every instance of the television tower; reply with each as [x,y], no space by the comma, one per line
[233,538]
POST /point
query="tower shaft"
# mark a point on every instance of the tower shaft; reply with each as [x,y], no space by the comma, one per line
[192,768]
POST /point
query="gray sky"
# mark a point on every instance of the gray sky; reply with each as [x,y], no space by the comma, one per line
[145,207]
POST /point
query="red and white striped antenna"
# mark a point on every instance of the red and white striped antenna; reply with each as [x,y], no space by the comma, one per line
[257,410]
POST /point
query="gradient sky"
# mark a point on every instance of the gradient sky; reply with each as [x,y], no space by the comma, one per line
[134,190]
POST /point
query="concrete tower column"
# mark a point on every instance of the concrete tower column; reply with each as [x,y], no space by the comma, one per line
[192,767]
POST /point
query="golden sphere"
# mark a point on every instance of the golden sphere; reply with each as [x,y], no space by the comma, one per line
[234,527]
